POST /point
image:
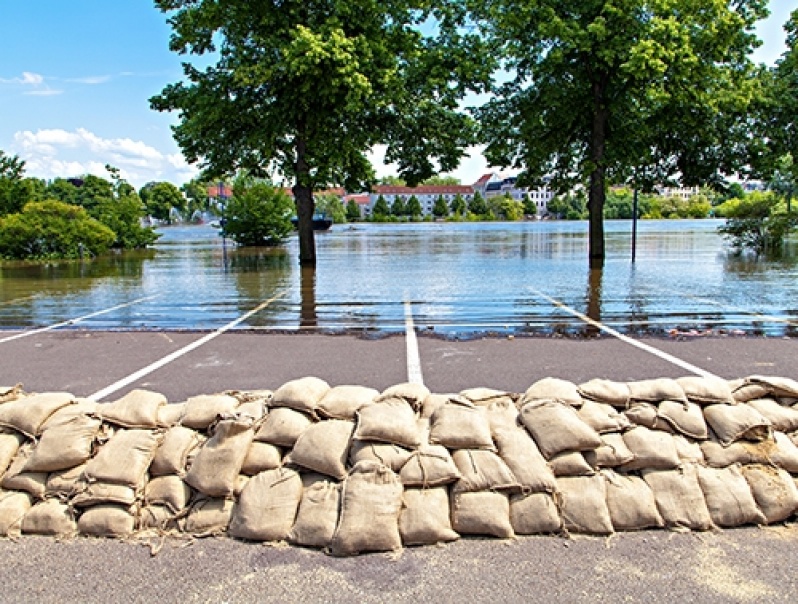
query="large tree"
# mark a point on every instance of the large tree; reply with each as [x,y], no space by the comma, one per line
[304,90]
[603,91]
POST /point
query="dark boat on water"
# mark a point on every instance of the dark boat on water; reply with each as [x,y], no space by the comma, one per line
[320,222]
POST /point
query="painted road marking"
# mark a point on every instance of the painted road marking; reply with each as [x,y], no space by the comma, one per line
[608,330]
[101,394]
[414,375]
[32,332]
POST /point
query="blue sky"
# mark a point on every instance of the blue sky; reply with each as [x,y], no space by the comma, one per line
[76,76]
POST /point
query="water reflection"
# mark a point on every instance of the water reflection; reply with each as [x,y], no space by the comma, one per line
[260,274]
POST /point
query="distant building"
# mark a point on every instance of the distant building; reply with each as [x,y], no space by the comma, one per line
[684,193]
[492,185]
[426,195]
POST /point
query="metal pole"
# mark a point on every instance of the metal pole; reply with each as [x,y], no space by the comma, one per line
[634,225]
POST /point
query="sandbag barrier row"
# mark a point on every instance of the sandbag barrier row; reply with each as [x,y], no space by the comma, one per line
[349,469]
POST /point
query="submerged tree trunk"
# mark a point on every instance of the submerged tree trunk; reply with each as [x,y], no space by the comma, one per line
[303,197]
[597,193]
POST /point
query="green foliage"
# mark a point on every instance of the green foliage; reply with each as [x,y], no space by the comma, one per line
[398,207]
[122,214]
[394,181]
[380,209]
[458,206]
[160,197]
[477,205]
[697,206]
[331,206]
[11,166]
[508,208]
[413,207]
[52,229]
[441,180]
[196,191]
[530,207]
[440,209]
[569,207]
[759,223]
[258,214]
[352,211]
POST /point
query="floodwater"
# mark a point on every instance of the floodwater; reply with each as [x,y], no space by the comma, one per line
[457,280]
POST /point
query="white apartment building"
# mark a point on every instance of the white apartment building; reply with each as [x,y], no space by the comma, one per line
[493,185]
[426,195]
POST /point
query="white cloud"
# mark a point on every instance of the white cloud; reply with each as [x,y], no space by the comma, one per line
[32,84]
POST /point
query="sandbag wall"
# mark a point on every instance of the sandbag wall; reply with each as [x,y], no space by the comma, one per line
[350,469]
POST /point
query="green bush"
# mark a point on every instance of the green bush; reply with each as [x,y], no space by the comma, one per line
[759,223]
[52,229]
[258,214]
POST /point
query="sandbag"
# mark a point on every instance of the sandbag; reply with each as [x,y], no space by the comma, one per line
[744,391]
[482,513]
[616,394]
[170,415]
[630,502]
[65,483]
[557,427]
[371,501]
[203,410]
[389,421]
[459,424]
[10,393]
[684,418]
[482,470]
[652,449]
[553,389]
[484,397]
[107,520]
[137,409]
[169,491]
[64,446]
[413,393]
[776,386]
[343,402]
[645,415]
[656,391]
[27,414]
[774,491]
[282,427]
[503,415]
[171,456]
[424,519]
[261,457]
[524,460]
[784,419]
[706,390]
[208,517]
[79,408]
[267,506]
[50,517]
[603,417]
[737,422]
[10,442]
[393,456]
[679,497]
[124,459]
[13,507]
[16,479]
[583,504]
[254,409]
[728,496]
[534,514]
[324,447]
[429,466]
[688,450]
[97,493]
[431,404]
[303,394]
[571,464]
[159,518]
[218,463]
[318,511]
[612,453]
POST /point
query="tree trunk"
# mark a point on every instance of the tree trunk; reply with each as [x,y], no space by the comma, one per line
[303,197]
[597,193]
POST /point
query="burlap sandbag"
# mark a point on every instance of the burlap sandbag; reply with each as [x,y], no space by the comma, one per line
[97,493]
[171,414]
[255,409]
[371,501]
[389,421]
[318,512]
[137,409]
[267,507]
[16,479]
[13,507]
[571,464]
[261,457]
[484,397]
[425,517]
[744,391]
[459,424]
[557,427]
[524,460]
[10,393]
[324,447]
[413,393]
[303,394]
[652,449]
[646,415]
[656,391]
[603,417]
[170,491]
[343,402]
[630,502]
[107,520]
[10,442]
[208,517]
[218,463]
[282,427]
[605,391]
[171,456]
[429,466]
[688,450]
[774,491]
[737,422]
[431,404]
[583,504]
[784,419]
[679,497]
[706,390]
[65,446]
[482,513]
[728,496]
[203,410]
[393,456]
[482,470]
[553,389]
[776,386]
[80,408]
[50,517]
[27,414]
[158,518]
[125,458]
[503,415]
[535,514]
[684,418]
[612,453]
[65,483]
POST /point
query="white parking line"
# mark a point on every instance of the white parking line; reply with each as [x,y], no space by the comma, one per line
[650,349]
[179,353]
[32,332]
[414,375]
